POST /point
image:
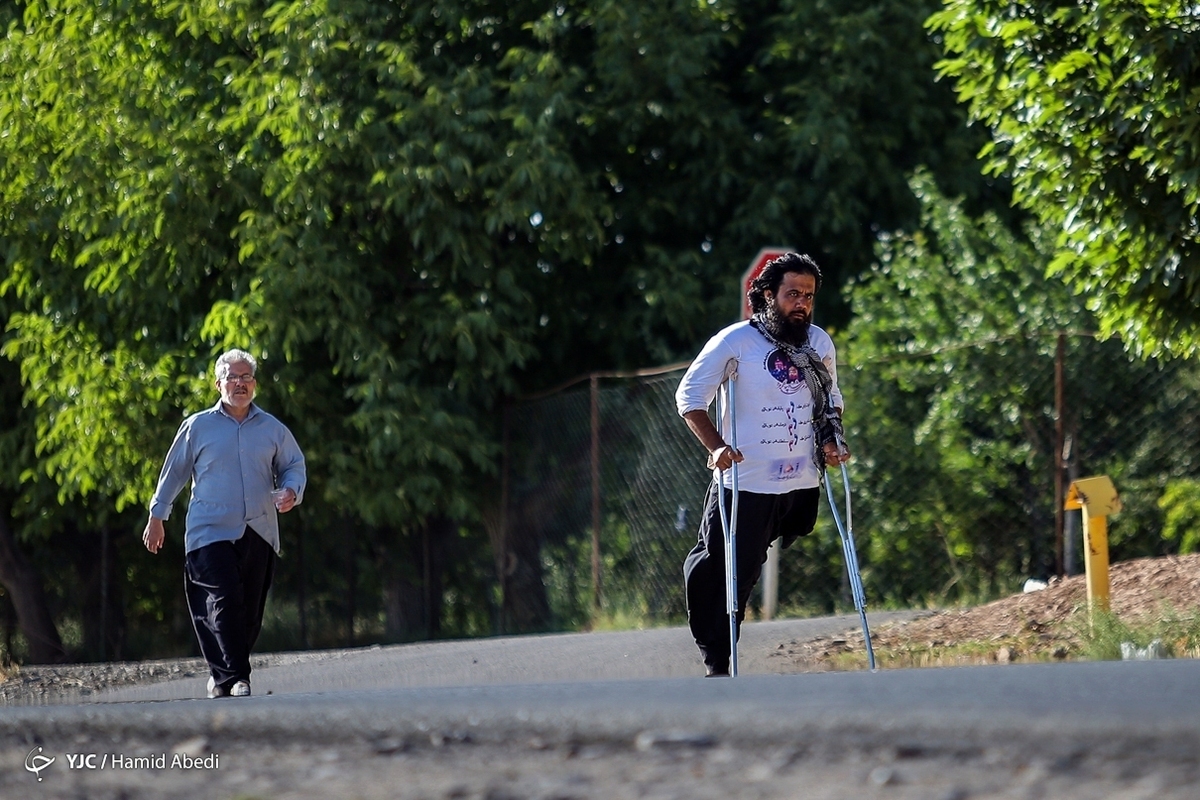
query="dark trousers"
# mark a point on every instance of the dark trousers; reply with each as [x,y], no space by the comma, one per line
[761,519]
[226,585]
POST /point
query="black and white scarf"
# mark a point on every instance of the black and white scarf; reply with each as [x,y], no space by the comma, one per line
[826,424]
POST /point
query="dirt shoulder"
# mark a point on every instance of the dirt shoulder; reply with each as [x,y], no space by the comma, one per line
[1042,625]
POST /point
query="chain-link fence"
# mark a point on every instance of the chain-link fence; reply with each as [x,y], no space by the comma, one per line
[607,480]
[962,457]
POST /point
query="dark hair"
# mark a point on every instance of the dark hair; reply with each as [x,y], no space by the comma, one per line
[772,276]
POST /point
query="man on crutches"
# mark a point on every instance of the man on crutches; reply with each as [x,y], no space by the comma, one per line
[780,373]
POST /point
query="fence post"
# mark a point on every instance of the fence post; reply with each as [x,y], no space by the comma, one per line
[595,387]
[1057,456]
[301,600]
[770,582]
[500,546]
[103,592]
[351,537]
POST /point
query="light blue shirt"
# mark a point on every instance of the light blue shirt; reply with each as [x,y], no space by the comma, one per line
[233,467]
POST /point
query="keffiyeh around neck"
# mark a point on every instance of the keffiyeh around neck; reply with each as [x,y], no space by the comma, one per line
[826,424]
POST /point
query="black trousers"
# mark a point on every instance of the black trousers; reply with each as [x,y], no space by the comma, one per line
[761,519]
[226,585]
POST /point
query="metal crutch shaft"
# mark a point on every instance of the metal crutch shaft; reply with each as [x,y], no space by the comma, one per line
[729,522]
[850,552]
[731,592]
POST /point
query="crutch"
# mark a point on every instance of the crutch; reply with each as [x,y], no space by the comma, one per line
[846,533]
[729,521]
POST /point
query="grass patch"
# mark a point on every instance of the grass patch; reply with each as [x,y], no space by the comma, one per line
[623,619]
[1005,650]
[1025,648]
[1103,633]
[1081,637]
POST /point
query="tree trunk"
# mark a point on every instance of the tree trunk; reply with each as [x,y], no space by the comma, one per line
[28,597]
[98,594]
[413,583]
[526,604]
[516,550]
[403,614]
[403,611]
[438,531]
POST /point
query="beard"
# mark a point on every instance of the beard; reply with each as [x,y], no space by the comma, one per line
[236,399]
[785,329]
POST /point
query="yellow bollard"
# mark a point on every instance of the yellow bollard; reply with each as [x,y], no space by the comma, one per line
[1098,498]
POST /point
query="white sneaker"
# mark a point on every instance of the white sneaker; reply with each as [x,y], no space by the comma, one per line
[215,691]
[240,689]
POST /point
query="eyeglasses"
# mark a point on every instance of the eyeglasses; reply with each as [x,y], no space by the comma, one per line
[239,379]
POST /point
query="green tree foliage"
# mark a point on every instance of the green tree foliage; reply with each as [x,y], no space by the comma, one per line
[1093,109]
[717,128]
[972,435]
[326,211]
[1180,504]
[952,412]
[411,211]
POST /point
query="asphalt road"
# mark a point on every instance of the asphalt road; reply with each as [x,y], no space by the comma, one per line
[615,655]
[622,715]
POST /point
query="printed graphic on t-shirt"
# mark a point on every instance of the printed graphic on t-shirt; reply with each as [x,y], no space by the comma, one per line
[786,469]
[784,371]
[784,426]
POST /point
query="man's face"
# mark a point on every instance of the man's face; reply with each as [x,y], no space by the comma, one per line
[794,300]
[237,387]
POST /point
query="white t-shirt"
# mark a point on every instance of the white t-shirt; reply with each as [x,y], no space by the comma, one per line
[774,406]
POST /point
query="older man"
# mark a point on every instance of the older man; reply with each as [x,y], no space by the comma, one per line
[244,466]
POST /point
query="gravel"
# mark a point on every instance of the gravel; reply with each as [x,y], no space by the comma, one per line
[37,683]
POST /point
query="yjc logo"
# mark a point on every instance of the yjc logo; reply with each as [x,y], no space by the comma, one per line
[37,763]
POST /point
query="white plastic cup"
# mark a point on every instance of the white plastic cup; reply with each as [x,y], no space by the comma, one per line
[277,497]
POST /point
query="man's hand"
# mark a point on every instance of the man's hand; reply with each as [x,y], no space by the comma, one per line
[723,457]
[288,502]
[834,456]
[154,535]
[720,455]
